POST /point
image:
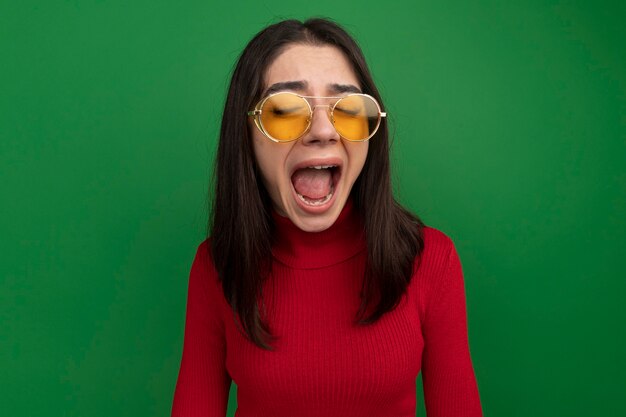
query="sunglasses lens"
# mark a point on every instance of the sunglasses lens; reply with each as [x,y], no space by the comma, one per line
[356,117]
[285,116]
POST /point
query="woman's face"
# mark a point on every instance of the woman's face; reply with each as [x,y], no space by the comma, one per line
[311,197]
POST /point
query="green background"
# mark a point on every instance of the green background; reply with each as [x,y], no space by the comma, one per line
[510,136]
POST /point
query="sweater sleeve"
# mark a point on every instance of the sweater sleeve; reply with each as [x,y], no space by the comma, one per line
[450,388]
[203,382]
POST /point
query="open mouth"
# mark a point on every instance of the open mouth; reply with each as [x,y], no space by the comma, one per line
[315,185]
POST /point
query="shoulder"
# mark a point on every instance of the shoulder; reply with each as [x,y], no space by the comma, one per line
[203,275]
[204,248]
[206,303]
[202,261]
[432,267]
[204,256]
[438,246]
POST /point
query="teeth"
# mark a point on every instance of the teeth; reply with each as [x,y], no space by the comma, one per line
[317,202]
[323,166]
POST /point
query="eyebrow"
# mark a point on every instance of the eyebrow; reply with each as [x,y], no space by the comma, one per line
[287,85]
[344,88]
[302,85]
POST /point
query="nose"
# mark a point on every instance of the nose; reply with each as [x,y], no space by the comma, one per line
[321,130]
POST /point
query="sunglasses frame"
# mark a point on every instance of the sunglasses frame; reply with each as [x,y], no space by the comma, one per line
[258,111]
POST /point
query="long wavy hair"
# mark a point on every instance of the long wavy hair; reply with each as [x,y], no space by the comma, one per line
[241,225]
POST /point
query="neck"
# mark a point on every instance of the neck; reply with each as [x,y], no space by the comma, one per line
[309,250]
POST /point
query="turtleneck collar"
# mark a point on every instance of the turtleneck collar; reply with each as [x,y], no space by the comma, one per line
[310,250]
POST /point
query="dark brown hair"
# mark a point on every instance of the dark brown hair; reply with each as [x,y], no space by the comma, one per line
[241,225]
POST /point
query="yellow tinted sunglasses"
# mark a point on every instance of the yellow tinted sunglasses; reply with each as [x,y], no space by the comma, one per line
[286,116]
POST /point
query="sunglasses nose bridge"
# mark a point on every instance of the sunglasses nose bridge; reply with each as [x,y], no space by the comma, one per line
[320,105]
[321,128]
[328,110]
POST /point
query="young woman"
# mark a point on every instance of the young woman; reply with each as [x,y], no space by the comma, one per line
[317,293]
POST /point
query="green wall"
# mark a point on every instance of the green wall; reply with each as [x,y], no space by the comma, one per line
[510,136]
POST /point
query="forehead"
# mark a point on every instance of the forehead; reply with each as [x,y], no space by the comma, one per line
[318,67]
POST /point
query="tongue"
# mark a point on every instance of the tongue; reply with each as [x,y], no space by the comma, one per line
[312,183]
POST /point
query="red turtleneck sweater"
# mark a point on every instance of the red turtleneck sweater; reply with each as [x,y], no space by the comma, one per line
[323,365]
